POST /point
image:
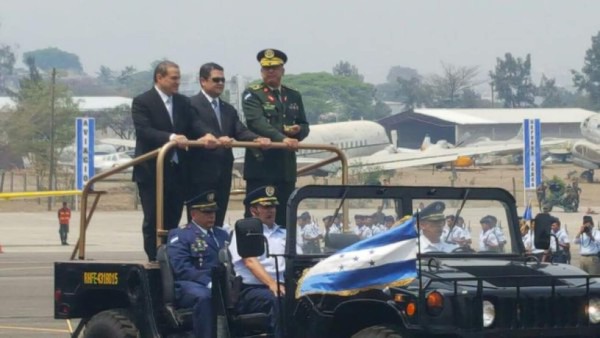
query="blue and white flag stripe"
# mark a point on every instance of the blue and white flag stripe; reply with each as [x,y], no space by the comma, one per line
[387,259]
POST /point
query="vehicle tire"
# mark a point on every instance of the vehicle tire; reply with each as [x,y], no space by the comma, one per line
[380,331]
[111,324]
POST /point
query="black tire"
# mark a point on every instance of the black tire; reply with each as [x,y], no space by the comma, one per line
[380,331]
[111,324]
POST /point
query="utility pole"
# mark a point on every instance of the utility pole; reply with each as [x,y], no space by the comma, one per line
[51,179]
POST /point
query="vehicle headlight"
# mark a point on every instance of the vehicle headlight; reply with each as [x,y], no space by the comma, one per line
[489,313]
[594,310]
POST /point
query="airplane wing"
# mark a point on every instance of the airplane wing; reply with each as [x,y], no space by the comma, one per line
[438,156]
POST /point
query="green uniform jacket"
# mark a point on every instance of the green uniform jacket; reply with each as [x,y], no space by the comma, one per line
[266,116]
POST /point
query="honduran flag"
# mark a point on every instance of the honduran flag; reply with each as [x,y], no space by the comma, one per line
[384,260]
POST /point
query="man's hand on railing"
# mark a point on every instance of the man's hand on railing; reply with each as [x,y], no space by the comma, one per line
[226,141]
[263,141]
[209,140]
[291,143]
[182,141]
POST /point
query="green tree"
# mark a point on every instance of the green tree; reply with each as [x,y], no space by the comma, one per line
[549,93]
[106,76]
[588,80]
[118,120]
[348,97]
[52,57]
[449,87]
[28,126]
[345,68]
[512,81]
[414,92]
[7,65]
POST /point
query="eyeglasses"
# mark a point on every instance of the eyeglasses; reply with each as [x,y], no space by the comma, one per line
[218,79]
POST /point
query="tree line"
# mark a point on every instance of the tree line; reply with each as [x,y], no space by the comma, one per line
[339,95]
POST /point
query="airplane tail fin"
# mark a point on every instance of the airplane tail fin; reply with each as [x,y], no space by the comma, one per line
[426,142]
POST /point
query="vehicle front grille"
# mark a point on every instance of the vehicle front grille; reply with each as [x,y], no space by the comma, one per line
[541,312]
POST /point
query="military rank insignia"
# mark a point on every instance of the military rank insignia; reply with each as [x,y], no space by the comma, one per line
[270,191]
[199,245]
[293,106]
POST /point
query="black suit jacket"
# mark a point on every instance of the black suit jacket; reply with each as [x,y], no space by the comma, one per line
[153,128]
[206,163]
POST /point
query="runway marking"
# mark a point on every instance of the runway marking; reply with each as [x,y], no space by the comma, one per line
[32,329]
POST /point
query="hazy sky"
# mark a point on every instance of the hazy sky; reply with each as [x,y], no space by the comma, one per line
[316,34]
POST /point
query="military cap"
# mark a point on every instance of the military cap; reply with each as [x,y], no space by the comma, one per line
[388,218]
[305,215]
[203,202]
[588,219]
[271,57]
[433,212]
[264,196]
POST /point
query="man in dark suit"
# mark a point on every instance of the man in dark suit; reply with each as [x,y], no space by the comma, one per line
[277,112]
[193,251]
[161,115]
[212,168]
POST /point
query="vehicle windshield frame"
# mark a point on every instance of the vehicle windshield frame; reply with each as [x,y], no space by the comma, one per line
[403,197]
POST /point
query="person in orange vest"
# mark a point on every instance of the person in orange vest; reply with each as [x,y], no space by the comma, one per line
[64,216]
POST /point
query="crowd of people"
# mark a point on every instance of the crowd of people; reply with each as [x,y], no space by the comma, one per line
[587,238]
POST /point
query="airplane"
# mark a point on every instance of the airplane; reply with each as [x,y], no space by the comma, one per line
[586,153]
[368,148]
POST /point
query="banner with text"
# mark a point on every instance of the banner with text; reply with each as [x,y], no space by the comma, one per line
[85,130]
[532,156]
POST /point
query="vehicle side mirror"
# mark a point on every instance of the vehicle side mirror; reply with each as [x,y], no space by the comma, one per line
[249,237]
[542,225]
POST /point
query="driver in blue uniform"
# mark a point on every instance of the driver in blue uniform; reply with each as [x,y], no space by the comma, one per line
[193,251]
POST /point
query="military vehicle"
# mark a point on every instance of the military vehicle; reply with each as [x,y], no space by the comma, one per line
[478,289]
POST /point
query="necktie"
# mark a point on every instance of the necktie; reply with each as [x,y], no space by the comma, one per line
[211,235]
[215,105]
[169,105]
[277,94]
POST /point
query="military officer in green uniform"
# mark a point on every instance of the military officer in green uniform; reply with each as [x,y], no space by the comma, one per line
[276,112]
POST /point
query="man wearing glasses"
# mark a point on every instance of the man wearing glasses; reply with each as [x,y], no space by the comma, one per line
[277,112]
[212,168]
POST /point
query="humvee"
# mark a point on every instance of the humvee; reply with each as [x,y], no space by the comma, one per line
[472,291]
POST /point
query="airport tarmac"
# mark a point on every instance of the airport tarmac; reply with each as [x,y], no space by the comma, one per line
[31,245]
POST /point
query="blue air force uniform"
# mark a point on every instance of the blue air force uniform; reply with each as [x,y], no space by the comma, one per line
[193,252]
[256,296]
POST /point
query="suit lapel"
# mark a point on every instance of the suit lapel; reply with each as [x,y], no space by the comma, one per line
[162,109]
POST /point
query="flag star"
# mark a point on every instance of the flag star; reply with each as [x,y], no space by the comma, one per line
[341,255]
[341,267]
[372,263]
[355,258]
[372,251]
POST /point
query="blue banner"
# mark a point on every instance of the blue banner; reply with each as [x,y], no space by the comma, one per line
[85,130]
[532,156]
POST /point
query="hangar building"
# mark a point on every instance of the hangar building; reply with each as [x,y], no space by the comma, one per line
[468,125]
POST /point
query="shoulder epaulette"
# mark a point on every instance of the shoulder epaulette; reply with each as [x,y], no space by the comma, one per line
[256,86]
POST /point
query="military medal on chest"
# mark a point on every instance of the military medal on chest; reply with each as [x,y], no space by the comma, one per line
[199,245]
